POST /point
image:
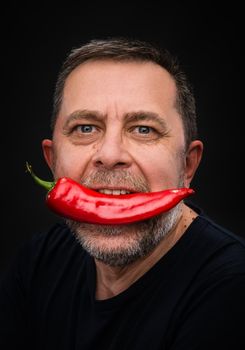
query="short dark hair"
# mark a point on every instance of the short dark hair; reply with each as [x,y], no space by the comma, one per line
[123,49]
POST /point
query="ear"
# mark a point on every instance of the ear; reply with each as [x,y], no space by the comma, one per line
[48,152]
[193,158]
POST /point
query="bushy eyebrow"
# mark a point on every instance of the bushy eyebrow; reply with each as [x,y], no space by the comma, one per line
[83,115]
[145,116]
[131,117]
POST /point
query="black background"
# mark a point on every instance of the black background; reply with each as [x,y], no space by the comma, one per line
[207,39]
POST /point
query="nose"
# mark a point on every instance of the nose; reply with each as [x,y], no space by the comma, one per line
[112,153]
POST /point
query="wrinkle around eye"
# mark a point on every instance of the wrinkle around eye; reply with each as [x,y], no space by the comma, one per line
[149,132]
[75,129]
[83,133]
[136,130]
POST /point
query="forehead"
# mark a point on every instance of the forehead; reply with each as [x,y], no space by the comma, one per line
[112,66]
[107,84]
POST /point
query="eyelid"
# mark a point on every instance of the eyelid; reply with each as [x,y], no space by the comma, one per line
[143,125]
[154,133]
[93,127]
[74,127]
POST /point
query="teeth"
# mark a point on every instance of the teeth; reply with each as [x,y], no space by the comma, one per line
[113,192]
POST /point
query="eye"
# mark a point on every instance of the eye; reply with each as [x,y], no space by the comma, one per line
[86,129]
[146,133]
[143,129]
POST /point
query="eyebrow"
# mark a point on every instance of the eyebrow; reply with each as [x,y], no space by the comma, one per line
[130,117]
[83,114]
[145,116]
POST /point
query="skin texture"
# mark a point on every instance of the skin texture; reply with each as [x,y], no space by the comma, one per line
[118,128]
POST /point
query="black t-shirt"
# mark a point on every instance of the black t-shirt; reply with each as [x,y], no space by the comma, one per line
[192,298]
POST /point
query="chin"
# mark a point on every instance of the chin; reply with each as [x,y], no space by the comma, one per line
[119,245]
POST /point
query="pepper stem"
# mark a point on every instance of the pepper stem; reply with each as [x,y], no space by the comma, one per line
[48,185]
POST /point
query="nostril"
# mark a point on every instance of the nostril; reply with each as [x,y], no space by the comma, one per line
[98,162]
[111,165]
[119,165]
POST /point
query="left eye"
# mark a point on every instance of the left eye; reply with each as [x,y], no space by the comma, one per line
[85,128]
[143,129]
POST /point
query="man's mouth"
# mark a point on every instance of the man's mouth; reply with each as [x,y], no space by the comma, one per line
[114,191]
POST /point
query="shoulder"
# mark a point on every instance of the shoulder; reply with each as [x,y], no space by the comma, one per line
[222,240]
[211,287]
[45,254]
[55,245]
[213,237]
[210,255]
[49,240]
[218,254]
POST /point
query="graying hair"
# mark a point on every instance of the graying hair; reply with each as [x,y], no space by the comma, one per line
[122,49]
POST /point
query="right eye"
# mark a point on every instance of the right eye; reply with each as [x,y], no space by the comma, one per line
[83,133]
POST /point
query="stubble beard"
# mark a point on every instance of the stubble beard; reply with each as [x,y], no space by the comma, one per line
[121,245]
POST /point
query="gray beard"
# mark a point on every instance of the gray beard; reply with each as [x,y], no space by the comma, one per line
[120,245]
[136,240]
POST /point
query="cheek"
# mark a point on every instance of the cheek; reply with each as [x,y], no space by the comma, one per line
[161,168]
[70,161]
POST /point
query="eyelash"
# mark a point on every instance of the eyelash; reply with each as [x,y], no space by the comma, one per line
[144,127]
[84,126]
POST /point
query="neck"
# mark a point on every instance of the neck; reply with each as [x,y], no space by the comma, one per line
[111,281]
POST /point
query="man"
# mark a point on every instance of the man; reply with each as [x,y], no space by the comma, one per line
[123,122]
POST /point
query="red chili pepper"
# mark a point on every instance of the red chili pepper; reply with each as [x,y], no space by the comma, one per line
[70,199]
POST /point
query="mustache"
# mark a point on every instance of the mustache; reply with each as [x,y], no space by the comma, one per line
[122,178]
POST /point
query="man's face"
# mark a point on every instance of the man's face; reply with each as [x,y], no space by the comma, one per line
[118,130]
